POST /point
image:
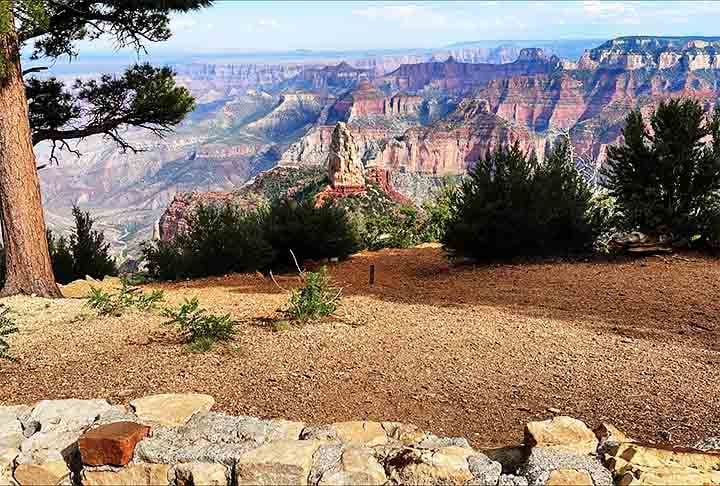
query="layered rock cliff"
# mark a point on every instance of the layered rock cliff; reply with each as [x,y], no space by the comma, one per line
[644,52]
[452,145]
[452,75]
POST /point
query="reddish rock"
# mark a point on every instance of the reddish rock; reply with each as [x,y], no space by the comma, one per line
[111,444]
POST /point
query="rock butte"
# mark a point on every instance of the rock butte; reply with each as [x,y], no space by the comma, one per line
[191,445]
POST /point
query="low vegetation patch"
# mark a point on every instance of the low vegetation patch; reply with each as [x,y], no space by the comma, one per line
[317,297]
[116,303]
[199,328]
[8,327]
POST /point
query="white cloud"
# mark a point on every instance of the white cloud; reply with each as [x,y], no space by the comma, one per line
[599,8]
[262,25]
[411,16]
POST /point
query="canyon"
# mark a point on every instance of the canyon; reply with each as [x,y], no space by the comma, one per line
[416,114]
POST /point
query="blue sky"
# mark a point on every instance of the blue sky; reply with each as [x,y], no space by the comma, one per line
[253,25]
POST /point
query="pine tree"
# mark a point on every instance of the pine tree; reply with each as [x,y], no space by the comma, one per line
[90,252]
[666,178]
[143,97]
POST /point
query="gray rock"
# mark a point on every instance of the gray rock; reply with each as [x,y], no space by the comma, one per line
[215,438]
[709,444]
[67,414]
[327,457]
[512,480]
[542,462]
[485,471]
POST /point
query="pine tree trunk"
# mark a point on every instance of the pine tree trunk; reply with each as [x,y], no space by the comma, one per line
[27,260]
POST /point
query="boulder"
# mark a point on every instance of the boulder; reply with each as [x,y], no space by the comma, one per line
[360,433]
[46,474]
[112,444]
[357,466]
[131,475]
[171,409]
[448,465]
[59,424]
[563,434]
[201,474]
[633,463]
[280,462]
[708,444]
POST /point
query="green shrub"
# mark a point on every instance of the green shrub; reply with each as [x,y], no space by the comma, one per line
[90,252]
[439,211]
[315,299]
[666,180]
[106,303]
[513,206]
[312,233]
[200,329]
[7,328]
[224,239]
[61,256]
[163,259]
[220,240]
[83,253]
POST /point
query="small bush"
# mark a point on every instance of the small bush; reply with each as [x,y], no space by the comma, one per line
[61,256]
[7,328]
[115,304]
[313,233]
[224,239]
[163,259]
[200,329]
[317,298]
[90,252]
[513,206]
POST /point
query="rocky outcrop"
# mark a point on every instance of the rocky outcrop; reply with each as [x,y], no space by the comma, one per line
[345,168]
[641,52]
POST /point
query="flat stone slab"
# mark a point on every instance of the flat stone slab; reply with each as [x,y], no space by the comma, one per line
[562,433]
[112,444]
[171,409]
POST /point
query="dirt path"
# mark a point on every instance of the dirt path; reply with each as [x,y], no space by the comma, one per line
[475,352]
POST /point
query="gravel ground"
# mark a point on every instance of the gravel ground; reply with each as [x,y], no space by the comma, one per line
[467,351]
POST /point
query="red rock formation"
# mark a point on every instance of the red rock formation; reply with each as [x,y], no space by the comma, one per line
[452,146]
[345,168]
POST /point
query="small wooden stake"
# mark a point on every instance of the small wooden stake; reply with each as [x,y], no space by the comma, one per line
[372,274]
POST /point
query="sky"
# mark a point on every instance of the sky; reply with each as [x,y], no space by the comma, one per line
[278,25]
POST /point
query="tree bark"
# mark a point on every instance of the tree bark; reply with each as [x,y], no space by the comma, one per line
[27,259]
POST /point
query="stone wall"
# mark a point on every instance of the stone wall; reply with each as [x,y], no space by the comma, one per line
[177,440]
